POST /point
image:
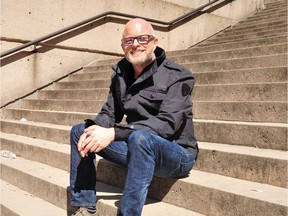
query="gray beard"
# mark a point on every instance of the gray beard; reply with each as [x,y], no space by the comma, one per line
[142,60]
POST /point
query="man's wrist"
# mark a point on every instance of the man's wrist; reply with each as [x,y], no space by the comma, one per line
[112,131]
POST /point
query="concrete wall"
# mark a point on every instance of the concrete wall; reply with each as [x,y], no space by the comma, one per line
[30,19]
[236,10]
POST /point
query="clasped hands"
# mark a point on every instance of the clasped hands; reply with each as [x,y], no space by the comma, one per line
[94,139]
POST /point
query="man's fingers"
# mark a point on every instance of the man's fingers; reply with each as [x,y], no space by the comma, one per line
[81,140]
[90,146]
[90,129]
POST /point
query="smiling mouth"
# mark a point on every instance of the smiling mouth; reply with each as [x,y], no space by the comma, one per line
[136,52]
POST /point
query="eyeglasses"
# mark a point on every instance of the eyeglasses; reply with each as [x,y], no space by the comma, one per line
[141,39]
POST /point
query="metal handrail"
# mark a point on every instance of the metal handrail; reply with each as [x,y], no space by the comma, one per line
[105,14]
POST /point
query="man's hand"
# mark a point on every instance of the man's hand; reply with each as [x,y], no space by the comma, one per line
[94,139]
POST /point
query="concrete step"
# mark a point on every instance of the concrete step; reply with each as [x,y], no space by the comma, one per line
[109,199]
[240,63]
[36,149]
[222,57]
[202,48]
[52,132]
[259,135]
[242,92]
[276,60]
[270,23]
[252,29]
[259,111]
[273,4]
[249,111]
[54,117]
[99,83]
[91,75]
[276,91]
[278,4]
[88,106]
[77,94]
[43,176]
[273,11]
[206,188]
[251,34]
[15,201]
[221,38]
[107,68]
[265,16]
[253,164]
[38,179]
[111,61]
[248,76]
[251,134]
[237,45]
[258,165]
[29,205]
[263,199]
[233,54]
[251,75]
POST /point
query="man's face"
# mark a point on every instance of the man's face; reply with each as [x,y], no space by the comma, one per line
[139,45]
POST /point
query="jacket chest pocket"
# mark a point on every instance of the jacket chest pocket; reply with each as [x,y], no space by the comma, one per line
[150,101]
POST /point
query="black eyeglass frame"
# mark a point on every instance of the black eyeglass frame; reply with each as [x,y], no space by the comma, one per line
[150,37]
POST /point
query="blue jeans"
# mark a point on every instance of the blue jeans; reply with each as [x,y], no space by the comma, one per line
[144,155]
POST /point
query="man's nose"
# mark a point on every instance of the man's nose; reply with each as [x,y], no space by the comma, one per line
[133,44]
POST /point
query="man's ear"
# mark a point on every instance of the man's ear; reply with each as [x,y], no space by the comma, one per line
[155,43]
[123,47]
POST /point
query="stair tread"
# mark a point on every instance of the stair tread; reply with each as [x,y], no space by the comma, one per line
[104,192]
[218,84]
[236,149]
[203,46]
[253,190]
[102,101]
[245,150]
[264,192]
[45,144]
[42,171]
[40,124]
[268,124]
[151,208]
[30,205]
[238,50]
[234,39]
[65,127]
[47,111]
[25,204]
[242,58]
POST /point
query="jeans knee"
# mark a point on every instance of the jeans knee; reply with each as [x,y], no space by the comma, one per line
[76,131]
[140,138]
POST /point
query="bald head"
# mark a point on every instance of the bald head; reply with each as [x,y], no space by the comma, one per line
[137,27]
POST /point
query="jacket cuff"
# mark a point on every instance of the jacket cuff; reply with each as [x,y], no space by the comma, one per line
[122,132]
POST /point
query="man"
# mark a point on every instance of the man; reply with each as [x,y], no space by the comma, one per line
[158,139]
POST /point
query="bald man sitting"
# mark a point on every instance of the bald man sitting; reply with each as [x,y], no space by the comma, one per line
[158,140]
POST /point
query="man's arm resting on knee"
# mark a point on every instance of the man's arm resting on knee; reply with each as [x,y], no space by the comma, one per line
[94,139]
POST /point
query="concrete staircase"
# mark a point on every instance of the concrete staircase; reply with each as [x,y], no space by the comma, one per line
[240,110]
